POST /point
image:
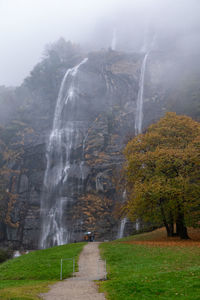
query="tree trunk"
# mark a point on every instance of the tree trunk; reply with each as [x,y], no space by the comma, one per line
[181,229]
[171,224]
[169,227]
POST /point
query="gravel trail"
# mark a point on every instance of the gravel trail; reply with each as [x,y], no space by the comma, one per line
[82,286]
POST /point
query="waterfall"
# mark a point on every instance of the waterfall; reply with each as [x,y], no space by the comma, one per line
[138,130]
[147,48]
[114,40]
[123,221]
[139,104]
[61,141]
[138,126]
[139,107]
[121,228]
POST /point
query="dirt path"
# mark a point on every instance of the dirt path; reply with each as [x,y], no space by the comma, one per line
[82,286]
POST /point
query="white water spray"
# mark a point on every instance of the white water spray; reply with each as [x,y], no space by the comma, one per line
[138,130]
[139,107]
[140,98]
[61,141]
[138,120]
[16,254]
[121,228]
[123,221]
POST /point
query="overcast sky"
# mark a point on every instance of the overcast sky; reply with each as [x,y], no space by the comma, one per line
[26,26]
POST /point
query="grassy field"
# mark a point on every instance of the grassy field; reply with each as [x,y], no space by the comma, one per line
[147,266]
[25,277]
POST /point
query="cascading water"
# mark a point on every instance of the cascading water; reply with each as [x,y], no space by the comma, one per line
[147,48]
[138,117]
[140,100]
[123,221]
[121,228]
[61,142]
[138,130]
[139,107]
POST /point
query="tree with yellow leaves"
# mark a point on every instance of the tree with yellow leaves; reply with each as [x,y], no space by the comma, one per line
[162,172]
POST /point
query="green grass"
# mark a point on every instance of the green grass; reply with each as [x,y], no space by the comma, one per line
[27,276]
[146,236]
[151,272]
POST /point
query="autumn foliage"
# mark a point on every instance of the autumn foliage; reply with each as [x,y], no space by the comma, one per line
[12,141]
[162,172]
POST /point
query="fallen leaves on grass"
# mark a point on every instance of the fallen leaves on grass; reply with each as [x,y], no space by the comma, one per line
[159,238]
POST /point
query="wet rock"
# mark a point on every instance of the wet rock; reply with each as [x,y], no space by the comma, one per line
[103,116]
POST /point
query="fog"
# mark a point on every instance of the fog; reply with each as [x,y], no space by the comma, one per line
[26,26]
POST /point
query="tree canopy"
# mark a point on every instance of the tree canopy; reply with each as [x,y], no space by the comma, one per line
[162,172]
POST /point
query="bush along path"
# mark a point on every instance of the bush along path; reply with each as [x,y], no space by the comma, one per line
[82,285]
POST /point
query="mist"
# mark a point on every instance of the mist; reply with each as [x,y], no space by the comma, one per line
[28,25]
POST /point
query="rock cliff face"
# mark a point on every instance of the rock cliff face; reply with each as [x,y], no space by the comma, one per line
[104,113]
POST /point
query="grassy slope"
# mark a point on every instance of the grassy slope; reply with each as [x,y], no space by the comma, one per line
[160,235]
[151,271]
[26,276]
